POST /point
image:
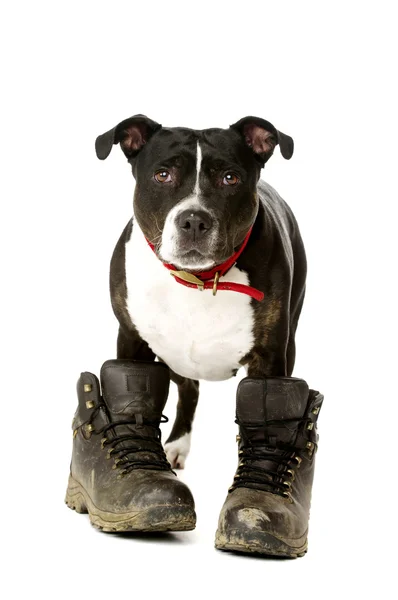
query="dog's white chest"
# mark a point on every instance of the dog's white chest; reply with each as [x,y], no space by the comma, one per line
[198,335]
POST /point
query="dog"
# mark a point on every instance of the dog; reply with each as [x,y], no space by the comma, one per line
[209,274]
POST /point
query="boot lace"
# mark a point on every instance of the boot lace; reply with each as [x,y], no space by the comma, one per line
[124,447]
[276,479]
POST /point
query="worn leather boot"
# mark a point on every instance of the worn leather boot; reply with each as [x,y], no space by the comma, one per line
[268,504]
[119,471]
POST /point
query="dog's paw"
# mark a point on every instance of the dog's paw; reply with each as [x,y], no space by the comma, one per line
[177,451]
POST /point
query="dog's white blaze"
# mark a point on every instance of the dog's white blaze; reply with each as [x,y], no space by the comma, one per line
[168,246]
[178,450]
[198,335]
[198,167]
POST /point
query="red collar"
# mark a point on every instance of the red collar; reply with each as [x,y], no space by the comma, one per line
[206,280]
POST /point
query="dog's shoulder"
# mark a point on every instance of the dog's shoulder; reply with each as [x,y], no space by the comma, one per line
[276,209]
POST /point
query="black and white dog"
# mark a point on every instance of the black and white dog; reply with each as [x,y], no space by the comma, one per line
[209,274]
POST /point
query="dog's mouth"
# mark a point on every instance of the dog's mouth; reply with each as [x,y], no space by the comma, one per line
[193,253]
[192,260]
[195,259]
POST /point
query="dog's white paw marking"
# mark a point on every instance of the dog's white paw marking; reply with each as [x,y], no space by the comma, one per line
[177,451]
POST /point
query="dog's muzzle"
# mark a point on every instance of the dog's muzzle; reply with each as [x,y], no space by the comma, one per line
[194,231]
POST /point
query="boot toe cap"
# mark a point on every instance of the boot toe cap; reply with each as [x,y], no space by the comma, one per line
[257,521]
[144,500]
[161,498]
[161,489]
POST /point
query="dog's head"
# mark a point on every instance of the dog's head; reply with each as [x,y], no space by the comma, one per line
[195,197]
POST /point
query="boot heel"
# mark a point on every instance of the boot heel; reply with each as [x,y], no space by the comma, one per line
[74,498]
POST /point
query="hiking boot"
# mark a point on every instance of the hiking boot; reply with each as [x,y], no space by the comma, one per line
[119,471]
[267,507]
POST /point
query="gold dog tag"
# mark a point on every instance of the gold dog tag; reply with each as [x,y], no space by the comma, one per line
[189,278]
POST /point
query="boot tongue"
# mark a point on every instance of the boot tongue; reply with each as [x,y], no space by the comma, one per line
[272,399]
[134,389]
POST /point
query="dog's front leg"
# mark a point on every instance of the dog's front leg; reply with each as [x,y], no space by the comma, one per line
[132,347]
[178,443]
[267,362]
[268,357]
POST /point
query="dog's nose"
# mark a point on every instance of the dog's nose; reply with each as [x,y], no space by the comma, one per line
[195,224]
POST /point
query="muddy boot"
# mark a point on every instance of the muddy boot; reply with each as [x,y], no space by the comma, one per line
[267,507]
[119,471]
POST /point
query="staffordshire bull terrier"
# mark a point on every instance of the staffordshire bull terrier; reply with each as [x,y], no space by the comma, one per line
[209,273]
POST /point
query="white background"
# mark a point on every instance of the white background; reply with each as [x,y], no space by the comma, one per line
[323,72]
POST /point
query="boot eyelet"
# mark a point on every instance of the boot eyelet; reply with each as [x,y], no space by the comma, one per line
[238,438]
[103,443]
[87,387]
[121,475]
[288,497]
[315,411]
[291,474]
[90,404]
[287,484]
[310,447]
[89,429]
[117,461]
[297,460]
[109,454]
[310,426]
[240,452]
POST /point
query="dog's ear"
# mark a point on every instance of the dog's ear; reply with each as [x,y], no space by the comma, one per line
[262,137]
[132,134]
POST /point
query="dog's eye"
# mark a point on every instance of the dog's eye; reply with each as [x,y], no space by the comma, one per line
[230,179]
[162,176]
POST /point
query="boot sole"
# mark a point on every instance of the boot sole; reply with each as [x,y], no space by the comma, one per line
[157,518]
[261,543]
